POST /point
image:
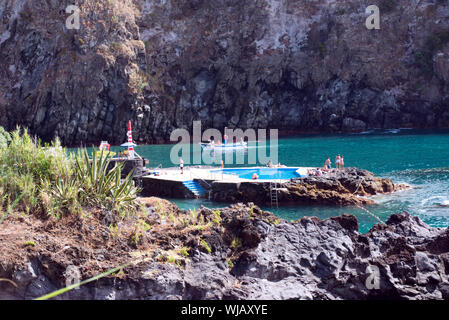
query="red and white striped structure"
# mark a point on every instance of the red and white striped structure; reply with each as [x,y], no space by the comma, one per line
[130,141]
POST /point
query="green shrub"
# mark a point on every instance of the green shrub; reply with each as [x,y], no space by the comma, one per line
[236,243]
[5,138]
[184,251]
[45,179]
[217,217]
[100,187]
[205,245]
[26,166]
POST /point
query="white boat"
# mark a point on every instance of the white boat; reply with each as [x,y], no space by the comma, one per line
[227,146]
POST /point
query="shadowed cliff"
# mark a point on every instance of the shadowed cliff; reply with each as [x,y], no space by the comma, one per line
[299,66]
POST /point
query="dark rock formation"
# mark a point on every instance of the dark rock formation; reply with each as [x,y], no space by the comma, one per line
[273,259]
[300,66]
[337,187]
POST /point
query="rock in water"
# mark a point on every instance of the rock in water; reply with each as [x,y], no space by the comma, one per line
[337,187]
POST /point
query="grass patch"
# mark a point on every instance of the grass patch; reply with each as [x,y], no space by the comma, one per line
[217,217]
[183,252]
[236,243]
[205,245]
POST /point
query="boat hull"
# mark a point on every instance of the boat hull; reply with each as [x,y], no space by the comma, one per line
[233,146]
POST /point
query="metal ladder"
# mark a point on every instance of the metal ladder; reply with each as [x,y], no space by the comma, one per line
[208,189]
[274,194]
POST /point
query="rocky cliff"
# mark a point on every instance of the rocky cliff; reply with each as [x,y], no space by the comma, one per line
[239,252]
[295,65]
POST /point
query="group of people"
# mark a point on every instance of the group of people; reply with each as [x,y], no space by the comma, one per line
[212,143]
[271,165]
[123,154]
[339,165]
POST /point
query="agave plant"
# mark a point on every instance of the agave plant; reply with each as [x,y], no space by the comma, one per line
[61,197]
[103,186]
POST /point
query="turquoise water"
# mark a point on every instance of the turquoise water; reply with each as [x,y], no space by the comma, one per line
[419,158]
[263,173]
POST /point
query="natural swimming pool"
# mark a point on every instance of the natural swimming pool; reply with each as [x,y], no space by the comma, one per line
[416,157]
[262,173]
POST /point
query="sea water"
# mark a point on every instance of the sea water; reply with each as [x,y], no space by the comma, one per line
[419,158]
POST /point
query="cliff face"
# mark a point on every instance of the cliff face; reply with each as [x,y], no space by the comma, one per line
[296,65]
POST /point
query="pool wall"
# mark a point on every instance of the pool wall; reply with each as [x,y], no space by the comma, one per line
[257,192]
[220,191]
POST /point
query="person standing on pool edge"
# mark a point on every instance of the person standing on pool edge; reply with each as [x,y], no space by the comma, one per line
[181,165]
[337,162]
[225,138]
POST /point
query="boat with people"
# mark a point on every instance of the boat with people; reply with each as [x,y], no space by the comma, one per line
[212,145]
[228,146]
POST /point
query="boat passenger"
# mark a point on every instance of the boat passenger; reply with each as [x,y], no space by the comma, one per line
[181,165]
[270,164]
[255,176]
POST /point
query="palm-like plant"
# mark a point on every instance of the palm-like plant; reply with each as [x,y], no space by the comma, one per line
[101,186]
